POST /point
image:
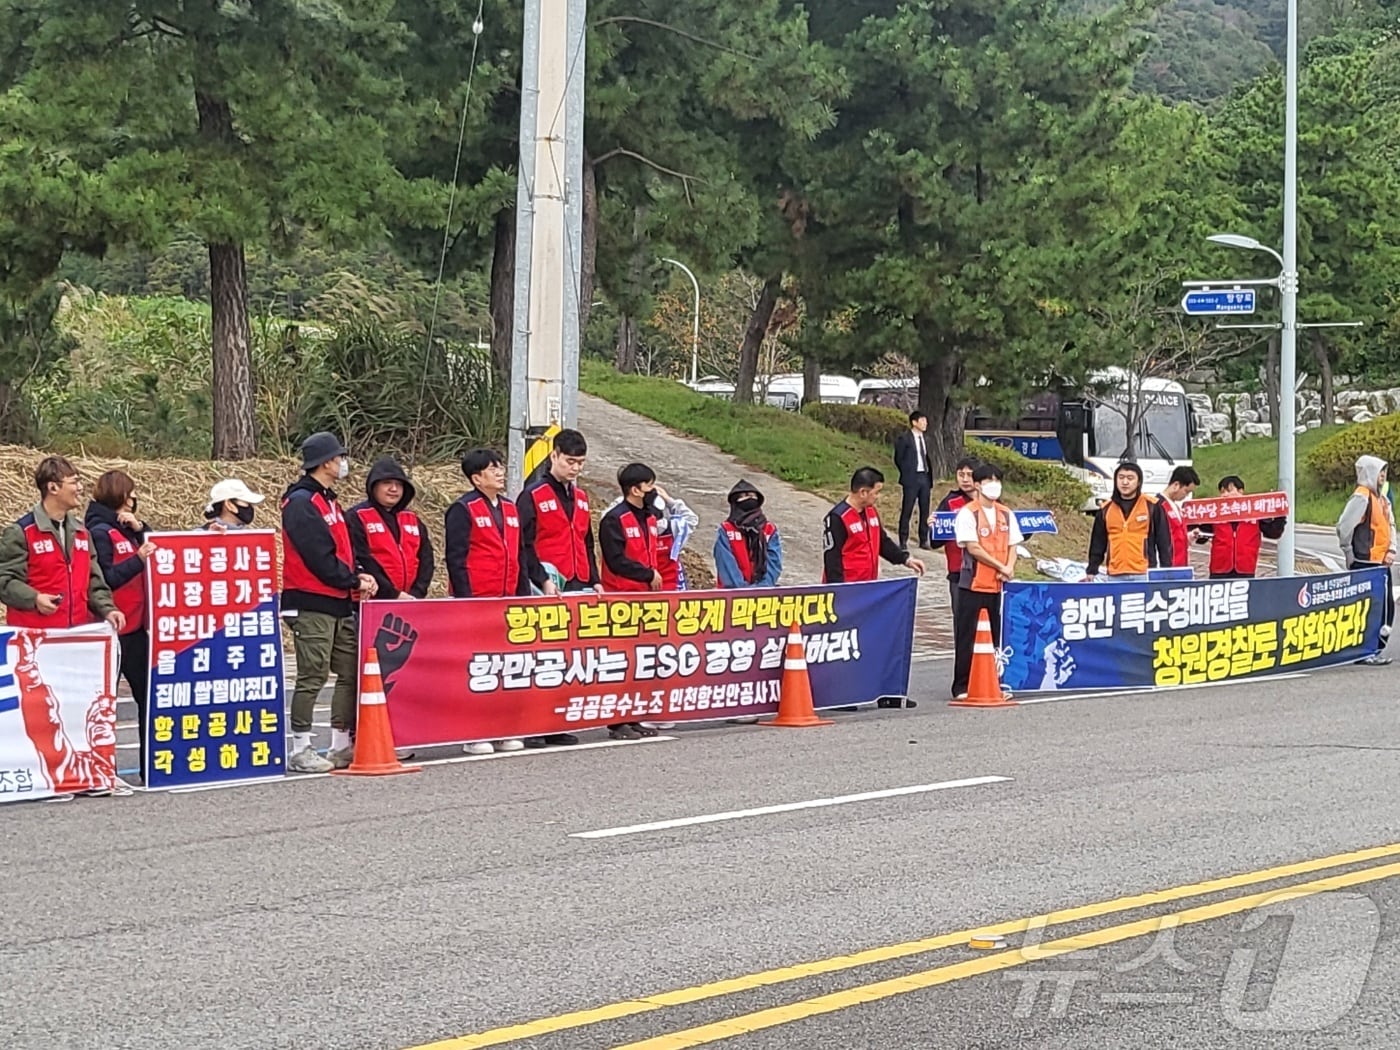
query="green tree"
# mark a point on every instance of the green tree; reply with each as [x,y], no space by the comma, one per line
[1348,196]
[976,150]
[238,120]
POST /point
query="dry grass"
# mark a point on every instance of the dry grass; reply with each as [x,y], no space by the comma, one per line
[173,493]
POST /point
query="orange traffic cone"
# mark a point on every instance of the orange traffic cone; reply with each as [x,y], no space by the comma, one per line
[374,740]
[984,686]
[795,708]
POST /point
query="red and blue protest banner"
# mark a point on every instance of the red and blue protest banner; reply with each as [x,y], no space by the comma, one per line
[1058,636]
[215,712]
[458,670]
[58,712]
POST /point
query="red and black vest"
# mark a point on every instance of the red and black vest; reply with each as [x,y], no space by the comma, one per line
[130,596]
[640,546]
[952,553]
[1234,547]
[1181,554]
[295,575]
[860,554]
[559,539]
[398,558]
[669,568]
[740,549]
[50,571]
[493,557]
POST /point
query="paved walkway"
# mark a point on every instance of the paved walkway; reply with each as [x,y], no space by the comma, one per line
[702,476]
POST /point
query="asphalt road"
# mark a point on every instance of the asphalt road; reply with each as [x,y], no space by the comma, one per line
[392,913]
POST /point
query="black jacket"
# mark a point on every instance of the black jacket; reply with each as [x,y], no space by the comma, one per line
[529,529]
[834,539]
[387,469]
[906,458]
[613,542]
[101,522]
[458,545]
[305,529]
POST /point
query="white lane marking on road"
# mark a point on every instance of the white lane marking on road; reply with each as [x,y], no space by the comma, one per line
[297,778]
[1055,698]
[787,807]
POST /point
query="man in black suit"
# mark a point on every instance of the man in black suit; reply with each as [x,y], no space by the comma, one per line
[915,478]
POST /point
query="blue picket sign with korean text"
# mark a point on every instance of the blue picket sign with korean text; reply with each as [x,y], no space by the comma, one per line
[1061,636]
[215,712]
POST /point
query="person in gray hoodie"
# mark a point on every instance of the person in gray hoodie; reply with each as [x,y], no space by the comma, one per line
[1366,532]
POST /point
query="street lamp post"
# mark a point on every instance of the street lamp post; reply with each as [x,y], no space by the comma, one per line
[695,332]
[1286,423]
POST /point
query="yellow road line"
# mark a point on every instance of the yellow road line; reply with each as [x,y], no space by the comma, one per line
[781,975]
[869,993]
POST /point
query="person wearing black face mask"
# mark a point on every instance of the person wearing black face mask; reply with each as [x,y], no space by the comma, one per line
[231,505]
[748,549]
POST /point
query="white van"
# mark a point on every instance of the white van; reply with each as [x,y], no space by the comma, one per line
[789,387]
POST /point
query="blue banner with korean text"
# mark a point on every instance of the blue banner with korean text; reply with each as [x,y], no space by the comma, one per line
[215,713]
[1058,636]
[1032,523]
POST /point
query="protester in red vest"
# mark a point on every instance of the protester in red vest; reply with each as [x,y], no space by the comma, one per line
[748,549]
[854,539]
[389,540]
[1179,488]
[122,550]
[965,493]
[1234,545]
[483,550]
[627,539]
[48,576]
[320,581]
[556,528]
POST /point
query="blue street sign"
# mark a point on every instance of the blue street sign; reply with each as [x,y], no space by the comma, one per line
[1225,301]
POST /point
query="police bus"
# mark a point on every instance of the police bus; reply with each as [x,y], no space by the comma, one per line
[1087,431]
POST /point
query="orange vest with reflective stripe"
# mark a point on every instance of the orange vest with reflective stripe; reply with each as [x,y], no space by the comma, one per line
[1371,540]
[995,539]
[1127,536]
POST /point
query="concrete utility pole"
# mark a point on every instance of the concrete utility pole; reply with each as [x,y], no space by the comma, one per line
[1288,289]
[548,226]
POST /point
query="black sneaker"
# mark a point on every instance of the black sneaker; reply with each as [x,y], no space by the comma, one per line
[560,740]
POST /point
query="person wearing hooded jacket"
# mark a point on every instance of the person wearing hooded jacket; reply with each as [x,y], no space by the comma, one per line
[120,545]
[389,540]
[748,549]
[1131,532]
[320,581]
[1366,532]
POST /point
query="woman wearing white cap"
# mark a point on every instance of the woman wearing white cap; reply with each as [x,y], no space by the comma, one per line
[230,506]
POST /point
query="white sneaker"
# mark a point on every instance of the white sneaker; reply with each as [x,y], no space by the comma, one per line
[307,761]
[481,747]
[743,720]
[510,745]
[660,725]
[341,759]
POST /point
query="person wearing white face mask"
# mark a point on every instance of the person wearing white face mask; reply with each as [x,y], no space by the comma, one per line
[320,580]
[988,534]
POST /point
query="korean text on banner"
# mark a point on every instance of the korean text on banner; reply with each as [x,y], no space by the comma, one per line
[1116,635]
[216,703]
[490,669]
[58,711]
[1032,523]
[1254,507]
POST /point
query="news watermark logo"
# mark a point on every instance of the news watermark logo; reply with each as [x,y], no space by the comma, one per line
[1297,963]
